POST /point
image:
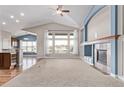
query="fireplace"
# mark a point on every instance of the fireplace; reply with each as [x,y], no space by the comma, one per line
[102,56]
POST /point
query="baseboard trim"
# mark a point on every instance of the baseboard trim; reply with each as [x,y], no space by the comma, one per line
[63,57]
[113,75]
[85,61]
[120,77]
[81,58]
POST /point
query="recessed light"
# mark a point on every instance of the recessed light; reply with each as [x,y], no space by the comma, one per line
[22,14]
[17,21]
[4,23]
[11,16]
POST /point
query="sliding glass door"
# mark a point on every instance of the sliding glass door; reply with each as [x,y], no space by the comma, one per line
[61,43]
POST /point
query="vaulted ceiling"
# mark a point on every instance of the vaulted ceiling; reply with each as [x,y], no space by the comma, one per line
[40,14]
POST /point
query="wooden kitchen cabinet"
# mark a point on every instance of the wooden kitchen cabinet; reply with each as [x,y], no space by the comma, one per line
[1,63]
[7,60]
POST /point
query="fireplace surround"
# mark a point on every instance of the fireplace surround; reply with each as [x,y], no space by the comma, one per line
[103,57]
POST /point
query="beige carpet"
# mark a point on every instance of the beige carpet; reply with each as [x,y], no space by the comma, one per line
[62,73]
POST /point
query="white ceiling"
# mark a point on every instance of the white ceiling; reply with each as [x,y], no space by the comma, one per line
[39,15]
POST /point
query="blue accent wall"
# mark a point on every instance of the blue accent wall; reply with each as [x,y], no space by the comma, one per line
[29,36]
[88,50]
[114,43]
[85,33]
[87,19]
[114,64]
[93,53]
[92,12]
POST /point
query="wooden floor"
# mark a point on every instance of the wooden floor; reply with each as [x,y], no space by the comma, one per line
[6,75]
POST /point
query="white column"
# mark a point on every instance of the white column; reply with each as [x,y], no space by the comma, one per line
[68,43]
[20,53]
[46,42]
[75,50]
[53,43]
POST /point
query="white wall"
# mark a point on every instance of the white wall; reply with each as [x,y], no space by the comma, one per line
[121,56]
[121,20]
[121,41]
[5,40]
[99,25]
[40,31]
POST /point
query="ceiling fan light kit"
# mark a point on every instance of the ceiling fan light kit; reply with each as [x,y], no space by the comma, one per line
[58,11]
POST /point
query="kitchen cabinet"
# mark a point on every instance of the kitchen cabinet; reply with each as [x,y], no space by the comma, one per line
[7,60]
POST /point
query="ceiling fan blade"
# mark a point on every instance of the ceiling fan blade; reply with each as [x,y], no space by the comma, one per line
[59,7]
[65,11]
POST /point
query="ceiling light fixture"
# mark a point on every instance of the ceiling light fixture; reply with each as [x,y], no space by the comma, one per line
[4,23]
[17,21]
[22,14]
[11,16]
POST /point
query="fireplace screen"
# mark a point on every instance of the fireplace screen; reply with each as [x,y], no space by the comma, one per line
[102,56]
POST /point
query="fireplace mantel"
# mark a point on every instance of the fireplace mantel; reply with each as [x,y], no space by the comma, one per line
[103,39]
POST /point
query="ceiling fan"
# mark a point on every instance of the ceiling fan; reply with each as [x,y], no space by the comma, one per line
[61,11]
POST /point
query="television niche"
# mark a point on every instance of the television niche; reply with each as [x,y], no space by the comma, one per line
[88,50]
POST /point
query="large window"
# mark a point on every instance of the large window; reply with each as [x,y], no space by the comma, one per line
[61,46]
[29,46]
[61,42]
